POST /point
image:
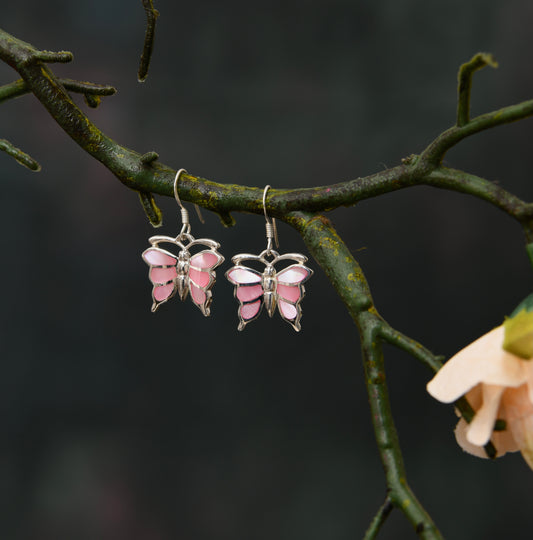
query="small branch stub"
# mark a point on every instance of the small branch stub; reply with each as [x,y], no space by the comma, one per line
[50,57]
[152,211]
[479,61]
[149,158]
[19,155]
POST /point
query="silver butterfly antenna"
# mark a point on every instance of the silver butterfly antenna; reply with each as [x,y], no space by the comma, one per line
[270,225]
[186,226]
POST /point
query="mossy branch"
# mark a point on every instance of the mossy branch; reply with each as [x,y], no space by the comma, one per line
[148,47]
[351,285]
[19,155]
[51,57]
[129,166]
[435,152]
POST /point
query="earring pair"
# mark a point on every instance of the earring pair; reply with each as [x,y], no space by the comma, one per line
[192,271]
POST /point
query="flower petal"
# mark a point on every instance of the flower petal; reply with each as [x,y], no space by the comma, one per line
[519,416]
[485,361]
[528,367]
[480,429]
[516,404]
[460,437]
[503,441]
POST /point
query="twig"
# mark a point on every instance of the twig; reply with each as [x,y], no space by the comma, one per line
[490,192]
[49,57]
[379,519]
[19,88]
[435,152]
[13,90]
[152,211]
[151,18]
[466,71]
[409,345]
[19,155]
[415,349]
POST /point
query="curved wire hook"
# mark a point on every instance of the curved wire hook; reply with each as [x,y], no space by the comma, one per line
[270,225]
[185,225]
[176,179]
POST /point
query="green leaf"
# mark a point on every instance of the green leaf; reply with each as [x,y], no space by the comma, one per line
[525,304]
[518,338]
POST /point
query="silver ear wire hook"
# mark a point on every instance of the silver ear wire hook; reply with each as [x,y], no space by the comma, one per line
[186,226]
[270,225]
[184,213]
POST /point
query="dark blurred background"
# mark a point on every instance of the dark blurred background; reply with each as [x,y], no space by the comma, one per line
[118,423]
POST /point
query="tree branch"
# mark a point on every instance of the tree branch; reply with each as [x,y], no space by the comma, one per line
[460,181]
[435,152]
[151,18]
[131,168]
[350,283]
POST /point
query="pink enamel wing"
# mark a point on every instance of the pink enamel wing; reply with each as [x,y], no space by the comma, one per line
[185,272]
[270,288]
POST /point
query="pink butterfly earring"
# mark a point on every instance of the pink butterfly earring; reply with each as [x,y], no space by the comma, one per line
[185,272]
[270,288]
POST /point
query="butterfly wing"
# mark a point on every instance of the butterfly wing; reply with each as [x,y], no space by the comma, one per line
[202,277]
[290,291]
[162,274]
[248,291]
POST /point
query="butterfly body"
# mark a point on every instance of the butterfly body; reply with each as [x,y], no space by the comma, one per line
[283,289]
[269,284]
[182,270]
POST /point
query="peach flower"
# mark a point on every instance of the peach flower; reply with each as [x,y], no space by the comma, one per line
[498,384]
